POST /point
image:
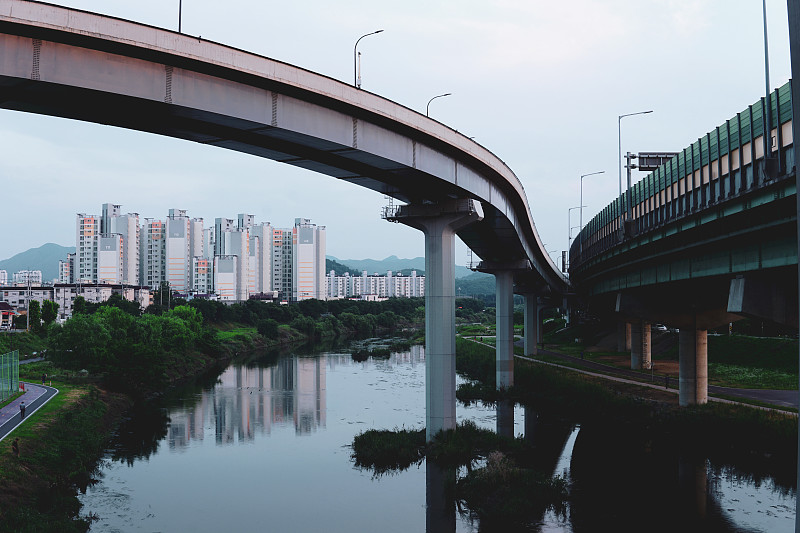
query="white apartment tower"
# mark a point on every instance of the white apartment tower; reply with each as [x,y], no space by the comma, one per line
[153,259]
[225,267]
[237,244]
[261,257]
[177,250]
[308,261]
[86,234]
[202,275]
[112,221]
[281,261]
[109,259]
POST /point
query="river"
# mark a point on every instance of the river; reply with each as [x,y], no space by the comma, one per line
[264,446]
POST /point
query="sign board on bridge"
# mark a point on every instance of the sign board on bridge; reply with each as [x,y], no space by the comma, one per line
[649,161]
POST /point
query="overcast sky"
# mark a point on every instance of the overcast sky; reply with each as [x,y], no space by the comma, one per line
[539,83]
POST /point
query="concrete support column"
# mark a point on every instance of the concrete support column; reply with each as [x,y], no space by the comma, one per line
[532,324]
[623,336]
[439,223]
[693,366]
[504,328]
[640,345]
[627,336]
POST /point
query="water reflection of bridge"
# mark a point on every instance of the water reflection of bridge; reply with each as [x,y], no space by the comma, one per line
[249,401]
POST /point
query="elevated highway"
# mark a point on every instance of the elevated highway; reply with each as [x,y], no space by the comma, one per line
[710,238]
[85,66]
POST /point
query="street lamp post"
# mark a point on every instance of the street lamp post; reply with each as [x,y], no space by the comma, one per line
[619,139]
[428,107]
[580,235]
[569,223]
[355,61]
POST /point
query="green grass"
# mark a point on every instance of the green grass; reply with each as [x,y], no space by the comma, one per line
[750,378]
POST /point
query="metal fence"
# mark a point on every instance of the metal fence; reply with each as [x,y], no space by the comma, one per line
[9,374]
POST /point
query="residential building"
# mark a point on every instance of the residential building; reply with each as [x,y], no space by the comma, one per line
[225,268]
[177,250]
[3,278]
[109,259]
[26,277]
[153,253]
[375,286]
[87,231]
[308,260]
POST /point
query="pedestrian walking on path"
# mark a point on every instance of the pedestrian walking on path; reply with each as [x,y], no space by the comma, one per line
[22,409]
[44,378]
[15,447]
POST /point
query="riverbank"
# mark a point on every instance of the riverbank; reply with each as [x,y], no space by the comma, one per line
[61,444]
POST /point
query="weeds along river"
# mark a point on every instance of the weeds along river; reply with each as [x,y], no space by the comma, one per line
[265,446]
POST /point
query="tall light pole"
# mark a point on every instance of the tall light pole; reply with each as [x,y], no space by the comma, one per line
[428,107]
[180,6]
[569,223]
[355,61]
[768,106]
[580,235]
[619,138]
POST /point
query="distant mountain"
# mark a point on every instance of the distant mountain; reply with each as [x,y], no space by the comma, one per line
[339,268]
[476,284]
[394,264]
[44,258]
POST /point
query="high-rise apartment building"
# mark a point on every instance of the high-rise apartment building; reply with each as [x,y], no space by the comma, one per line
[261,258]
[308,260]
[202,275]
[225,268]
[109,259]
[153,250]
[3,277]
[178,245]
[127,226]
[87,231]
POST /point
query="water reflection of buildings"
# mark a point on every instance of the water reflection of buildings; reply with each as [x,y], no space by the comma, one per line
[249,401]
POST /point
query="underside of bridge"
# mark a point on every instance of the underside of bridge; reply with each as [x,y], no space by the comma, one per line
[72,64]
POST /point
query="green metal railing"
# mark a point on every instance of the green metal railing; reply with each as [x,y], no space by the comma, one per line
[9,374]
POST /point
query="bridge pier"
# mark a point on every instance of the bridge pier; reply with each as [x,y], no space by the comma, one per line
[640,345]
[504,318]
[693,366]
[439,223]
[623,336]
[504,328]
[532,324]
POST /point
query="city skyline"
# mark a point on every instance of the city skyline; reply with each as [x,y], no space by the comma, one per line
[552,83]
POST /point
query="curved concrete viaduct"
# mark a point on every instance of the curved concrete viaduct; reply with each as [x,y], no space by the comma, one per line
[74,64]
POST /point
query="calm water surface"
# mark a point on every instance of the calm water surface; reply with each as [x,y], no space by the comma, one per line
[265,446]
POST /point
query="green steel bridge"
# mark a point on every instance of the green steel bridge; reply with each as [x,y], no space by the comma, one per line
[709,237]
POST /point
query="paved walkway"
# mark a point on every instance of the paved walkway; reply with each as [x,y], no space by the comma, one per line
[35,397]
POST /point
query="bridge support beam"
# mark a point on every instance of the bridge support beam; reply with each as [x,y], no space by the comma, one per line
[640,345]
[532,324]
[623,336]
[439,223]
[504,328]
[693,366]
[504,313]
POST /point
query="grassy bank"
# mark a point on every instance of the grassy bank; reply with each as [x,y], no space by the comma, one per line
[767,441]
[59,447]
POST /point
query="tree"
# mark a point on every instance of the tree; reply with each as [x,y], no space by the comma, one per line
[79,306]
[49,312]
[35,316]
[268,327]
